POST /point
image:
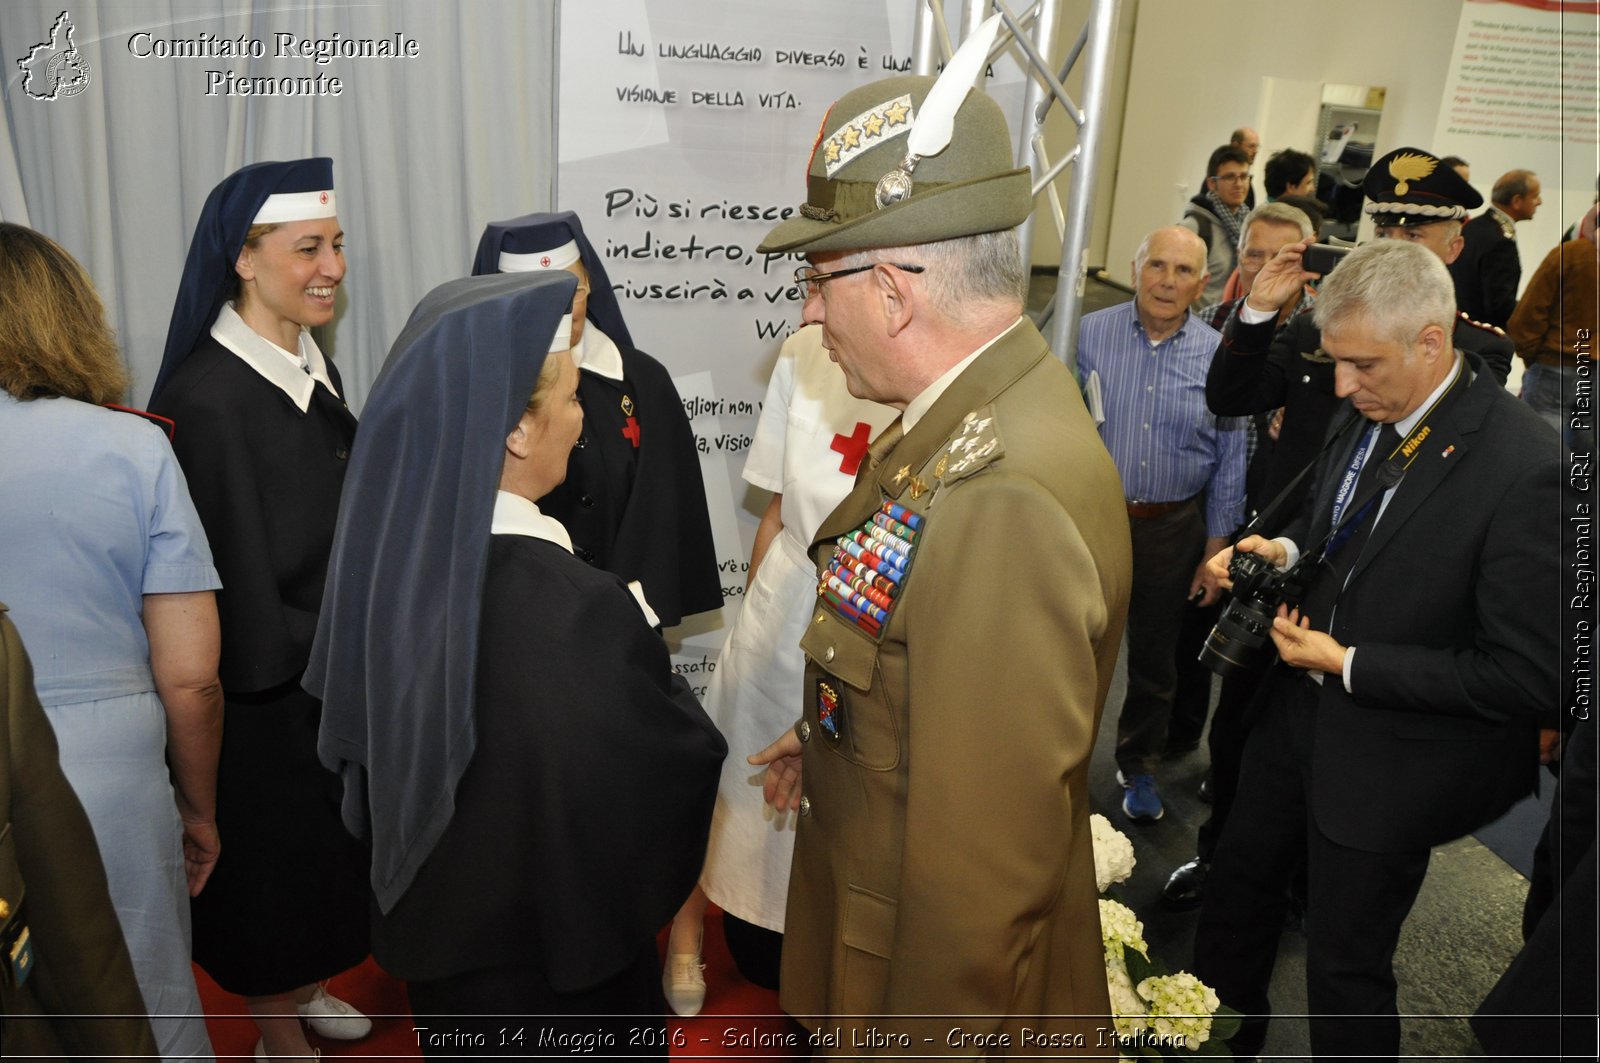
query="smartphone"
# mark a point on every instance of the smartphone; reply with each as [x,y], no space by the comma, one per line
[1321,258]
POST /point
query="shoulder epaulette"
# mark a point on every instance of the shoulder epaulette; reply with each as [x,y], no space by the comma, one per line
[166,424]
[1496,329]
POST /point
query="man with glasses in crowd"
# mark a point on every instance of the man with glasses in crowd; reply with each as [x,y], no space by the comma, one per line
[971,595]
[1217,216]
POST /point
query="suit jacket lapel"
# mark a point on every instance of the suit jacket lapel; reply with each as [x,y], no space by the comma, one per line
[1438,456]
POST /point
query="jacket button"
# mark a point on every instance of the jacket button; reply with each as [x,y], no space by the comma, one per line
[587,501]
[343,453]
[582,442]
[586,555]
[827,656]
[805,806]
[803,729]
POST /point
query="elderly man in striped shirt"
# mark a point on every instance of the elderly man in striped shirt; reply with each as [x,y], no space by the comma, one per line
[1182,474]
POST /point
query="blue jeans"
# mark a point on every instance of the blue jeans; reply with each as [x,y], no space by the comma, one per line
[1551,390]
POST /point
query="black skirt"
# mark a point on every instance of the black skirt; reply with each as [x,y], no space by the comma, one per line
[288,902]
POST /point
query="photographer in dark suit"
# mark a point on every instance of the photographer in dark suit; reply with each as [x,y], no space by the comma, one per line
[1414,673]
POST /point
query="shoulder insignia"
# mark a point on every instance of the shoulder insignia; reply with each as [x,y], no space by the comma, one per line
[974,444]
[1318,355]
[1496,329]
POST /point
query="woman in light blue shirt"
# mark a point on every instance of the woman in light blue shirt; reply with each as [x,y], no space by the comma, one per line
[109,578]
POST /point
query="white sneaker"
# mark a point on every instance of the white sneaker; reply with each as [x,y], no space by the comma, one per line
[683,983]
[330,1017]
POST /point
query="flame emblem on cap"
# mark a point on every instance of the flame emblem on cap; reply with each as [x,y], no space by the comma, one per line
[1407,167]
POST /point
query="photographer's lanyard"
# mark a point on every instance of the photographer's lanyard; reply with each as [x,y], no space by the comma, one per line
[1387,475]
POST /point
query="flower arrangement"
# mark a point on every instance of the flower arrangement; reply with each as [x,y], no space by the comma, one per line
[1157,1014]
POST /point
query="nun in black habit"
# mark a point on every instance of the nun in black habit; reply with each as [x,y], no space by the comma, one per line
[262,431]
[535,781]
[633,501]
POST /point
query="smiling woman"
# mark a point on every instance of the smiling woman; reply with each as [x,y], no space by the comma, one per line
[263,435]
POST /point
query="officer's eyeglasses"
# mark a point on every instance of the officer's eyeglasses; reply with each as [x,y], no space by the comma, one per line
[812,281]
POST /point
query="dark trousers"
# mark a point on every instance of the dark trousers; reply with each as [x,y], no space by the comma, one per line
[757,952]
[513,1011]
[1356,902]
[1166,550]
[1191,701]
[1230,726]
[1544,1003]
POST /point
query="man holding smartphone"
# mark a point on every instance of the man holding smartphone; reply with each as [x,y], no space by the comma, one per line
[1411,196]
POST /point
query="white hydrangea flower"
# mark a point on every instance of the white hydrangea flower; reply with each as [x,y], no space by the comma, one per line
[1127,1008]
[1120,928]
[1181,1007]
[1113,853]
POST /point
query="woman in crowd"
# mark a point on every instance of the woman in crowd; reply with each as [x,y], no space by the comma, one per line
[633,500]
[263,434]
[107,573]
[535,780]
[756,689]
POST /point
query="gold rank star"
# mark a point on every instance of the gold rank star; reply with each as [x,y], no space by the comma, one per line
[873,125]
[896,114]
[830,151]
[902,473]
[851,136]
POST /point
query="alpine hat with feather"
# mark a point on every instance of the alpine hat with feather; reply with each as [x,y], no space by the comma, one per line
[1410,186]
[910,160]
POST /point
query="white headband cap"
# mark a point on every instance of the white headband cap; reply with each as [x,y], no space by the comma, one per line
[555,258]
[295,206]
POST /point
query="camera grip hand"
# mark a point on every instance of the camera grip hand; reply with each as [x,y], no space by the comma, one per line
[1270,549]
[1301,647]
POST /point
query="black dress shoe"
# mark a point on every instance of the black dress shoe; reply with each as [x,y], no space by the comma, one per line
[1186,886]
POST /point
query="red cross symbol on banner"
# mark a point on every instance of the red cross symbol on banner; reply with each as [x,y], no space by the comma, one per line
[853,447]
[632,432]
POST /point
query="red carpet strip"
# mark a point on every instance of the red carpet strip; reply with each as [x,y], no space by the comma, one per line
[740,1020]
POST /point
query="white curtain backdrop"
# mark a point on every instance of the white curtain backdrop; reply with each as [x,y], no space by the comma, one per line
[426,150]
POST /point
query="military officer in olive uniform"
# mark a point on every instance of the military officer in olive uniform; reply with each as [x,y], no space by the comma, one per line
[972,590]
[1411,196]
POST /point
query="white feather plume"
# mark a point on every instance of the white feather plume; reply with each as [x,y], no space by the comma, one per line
[936,120]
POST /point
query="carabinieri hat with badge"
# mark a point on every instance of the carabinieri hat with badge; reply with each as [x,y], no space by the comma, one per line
[1410,186]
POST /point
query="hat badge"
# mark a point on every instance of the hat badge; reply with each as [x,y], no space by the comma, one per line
[1407,167]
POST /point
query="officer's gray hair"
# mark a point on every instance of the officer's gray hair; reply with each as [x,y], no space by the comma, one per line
[1398,288]
[961,272]
[1278,214]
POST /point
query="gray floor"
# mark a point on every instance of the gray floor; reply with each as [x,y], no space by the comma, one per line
[1460,936]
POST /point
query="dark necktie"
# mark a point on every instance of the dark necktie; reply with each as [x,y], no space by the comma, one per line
[1345,548]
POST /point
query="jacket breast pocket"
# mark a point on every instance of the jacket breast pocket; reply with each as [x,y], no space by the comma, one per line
[848,702]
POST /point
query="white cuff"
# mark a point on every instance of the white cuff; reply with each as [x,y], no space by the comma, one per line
[1249,315]
[1349,662]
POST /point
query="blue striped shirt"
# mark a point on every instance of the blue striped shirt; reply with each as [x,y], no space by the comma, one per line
[1167,445]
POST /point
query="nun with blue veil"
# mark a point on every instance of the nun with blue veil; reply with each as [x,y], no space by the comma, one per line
[535,782]
[263,434]
[633,500]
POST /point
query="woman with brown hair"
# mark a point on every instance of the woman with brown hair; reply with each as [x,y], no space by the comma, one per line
[109,579]
[263,433]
